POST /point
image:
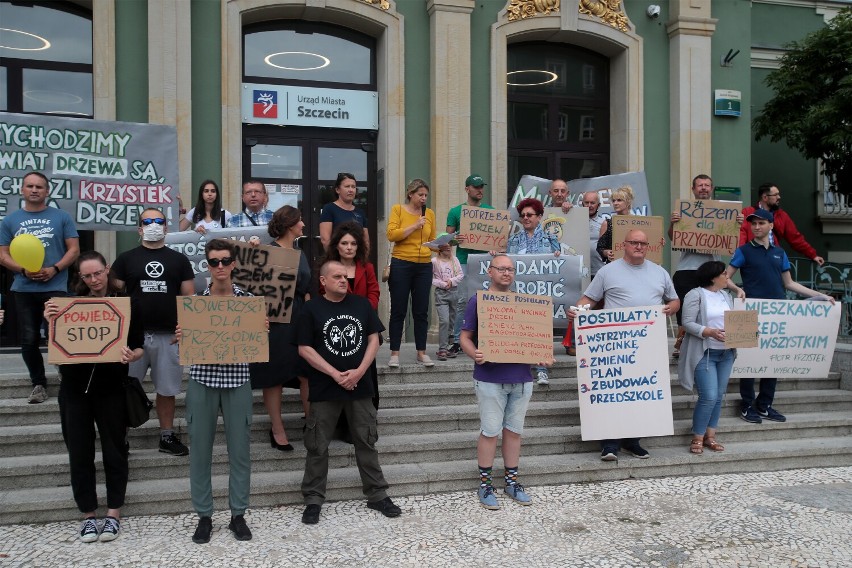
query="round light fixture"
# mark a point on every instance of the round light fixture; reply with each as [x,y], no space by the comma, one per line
[46,44]
[325,60]
[548,76]
[53,97]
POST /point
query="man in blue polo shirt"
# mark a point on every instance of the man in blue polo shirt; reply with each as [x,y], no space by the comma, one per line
[765,271]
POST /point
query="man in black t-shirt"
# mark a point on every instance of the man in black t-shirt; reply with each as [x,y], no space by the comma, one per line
[155,275]
[338,336]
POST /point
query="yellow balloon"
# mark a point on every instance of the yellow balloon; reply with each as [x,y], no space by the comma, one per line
[27,251]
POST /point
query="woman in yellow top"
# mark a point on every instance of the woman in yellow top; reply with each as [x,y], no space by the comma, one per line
[410,226]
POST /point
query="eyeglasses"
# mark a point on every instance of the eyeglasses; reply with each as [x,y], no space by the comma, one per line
[528,215]
[215,262]
[503,269]
[638,244]
[93,275]
[157,220]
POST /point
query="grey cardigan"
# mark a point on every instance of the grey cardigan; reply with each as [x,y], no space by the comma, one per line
[694,318]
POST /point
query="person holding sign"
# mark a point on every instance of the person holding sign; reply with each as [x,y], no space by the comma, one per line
[343,210]
[283,368]
[559,193]
[92,395]
[629,282]
[765,271]
[705,362]
[212,387]
[32,286]
[208,212]
[474,186]
[338,336]
[154,276]
[411,226]
[503,391]
[532,239]
[622,201]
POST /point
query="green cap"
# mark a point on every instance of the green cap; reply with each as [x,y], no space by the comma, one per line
[474,180]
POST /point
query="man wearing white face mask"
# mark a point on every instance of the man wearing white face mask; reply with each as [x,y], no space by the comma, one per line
[155,275]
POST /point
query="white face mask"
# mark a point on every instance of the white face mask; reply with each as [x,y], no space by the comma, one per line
[153,232]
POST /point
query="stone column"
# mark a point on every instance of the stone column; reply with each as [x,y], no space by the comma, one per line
[170,78]
[103,63]
[449,73]
[690,92]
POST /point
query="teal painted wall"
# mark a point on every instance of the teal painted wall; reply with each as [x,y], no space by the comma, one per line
[131,77]
[206,94]
[731,136]
[417,99]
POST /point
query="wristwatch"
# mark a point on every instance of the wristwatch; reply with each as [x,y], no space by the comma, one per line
[56,268]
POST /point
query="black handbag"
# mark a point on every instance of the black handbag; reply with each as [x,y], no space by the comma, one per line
[137,402]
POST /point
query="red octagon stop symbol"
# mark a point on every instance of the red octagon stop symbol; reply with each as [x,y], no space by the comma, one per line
[87,328]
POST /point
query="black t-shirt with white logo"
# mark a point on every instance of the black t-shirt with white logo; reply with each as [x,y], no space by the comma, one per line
[339,332]
[153,278]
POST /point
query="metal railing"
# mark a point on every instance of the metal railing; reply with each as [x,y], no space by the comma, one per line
[832,278]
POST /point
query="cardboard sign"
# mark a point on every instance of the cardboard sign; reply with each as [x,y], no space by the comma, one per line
[559,278]
[191,245]
[102,173]
[269,272]
[88,330]
[624,390]
[222,329]
[797,339]
[651,226]
[740,329]
[708,227]
[484,229]
[514,328]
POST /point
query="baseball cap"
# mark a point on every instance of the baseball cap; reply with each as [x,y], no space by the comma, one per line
[761,214]
[475,180]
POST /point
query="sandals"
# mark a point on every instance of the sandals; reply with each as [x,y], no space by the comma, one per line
[713,445]
[697,446]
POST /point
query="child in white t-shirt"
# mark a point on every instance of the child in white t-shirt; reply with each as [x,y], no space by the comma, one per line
[446,276]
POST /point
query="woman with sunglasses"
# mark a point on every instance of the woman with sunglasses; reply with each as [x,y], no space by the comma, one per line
[208,212]
[343,210]
[533,239]
[622,201]
[283,368]
[92,395]
[410,226]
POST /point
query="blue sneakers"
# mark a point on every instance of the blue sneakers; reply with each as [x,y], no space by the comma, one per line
[749,414]
[516,492]
[772,414]
[488,498]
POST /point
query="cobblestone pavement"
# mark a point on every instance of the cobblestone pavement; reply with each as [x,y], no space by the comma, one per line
[790,518]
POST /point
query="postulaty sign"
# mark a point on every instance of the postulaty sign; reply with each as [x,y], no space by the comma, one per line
[102,173]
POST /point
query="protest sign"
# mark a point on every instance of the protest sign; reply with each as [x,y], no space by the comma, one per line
[191,244]
[538,188]
[88,330]
[560,278]
[514,328]
[651,226]
[796,339]
[484,229]
[624,391]
[222,329]
[269,272]
[572,230]
[740,329]
[102,173]
[708,227]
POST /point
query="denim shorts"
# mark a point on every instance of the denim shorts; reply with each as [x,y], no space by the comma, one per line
[502,406]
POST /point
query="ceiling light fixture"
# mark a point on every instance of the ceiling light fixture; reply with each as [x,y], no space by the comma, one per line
[325,60]
[550,77]
[39,38]
[53,97]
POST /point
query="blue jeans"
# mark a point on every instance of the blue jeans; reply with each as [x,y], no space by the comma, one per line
[711,379]
[764,398]
[29,307]
[502,406]
[412,279]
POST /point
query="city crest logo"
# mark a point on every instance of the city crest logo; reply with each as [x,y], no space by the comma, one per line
[265,104]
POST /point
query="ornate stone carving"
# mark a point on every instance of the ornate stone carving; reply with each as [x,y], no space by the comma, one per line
[380,4]
[610,11]
[521,9]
